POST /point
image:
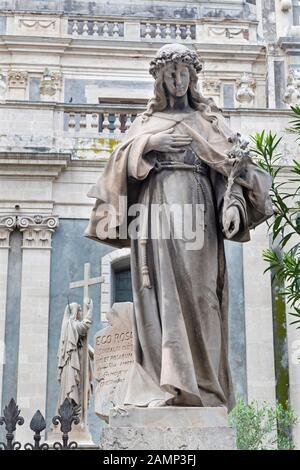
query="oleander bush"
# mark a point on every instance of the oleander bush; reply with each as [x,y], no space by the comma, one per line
[263,427]
[284,263]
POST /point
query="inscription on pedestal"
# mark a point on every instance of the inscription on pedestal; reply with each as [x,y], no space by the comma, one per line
[113,358]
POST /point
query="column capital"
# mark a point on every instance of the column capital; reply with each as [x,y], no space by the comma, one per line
[37,230]
[8,223]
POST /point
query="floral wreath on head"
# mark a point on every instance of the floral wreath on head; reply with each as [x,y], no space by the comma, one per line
[174,53]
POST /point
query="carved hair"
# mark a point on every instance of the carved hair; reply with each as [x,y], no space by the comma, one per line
[178,53]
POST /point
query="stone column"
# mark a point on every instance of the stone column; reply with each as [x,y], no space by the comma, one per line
[7,225]
[258,319]
[33,347]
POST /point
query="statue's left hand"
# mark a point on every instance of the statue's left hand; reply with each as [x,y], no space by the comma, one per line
[231,222]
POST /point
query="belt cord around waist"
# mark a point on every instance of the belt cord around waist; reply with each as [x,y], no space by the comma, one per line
[159,166]
[172,165]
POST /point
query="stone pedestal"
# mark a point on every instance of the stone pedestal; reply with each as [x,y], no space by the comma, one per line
[79,434]
[168,428]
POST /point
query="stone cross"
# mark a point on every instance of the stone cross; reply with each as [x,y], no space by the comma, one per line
[86,283]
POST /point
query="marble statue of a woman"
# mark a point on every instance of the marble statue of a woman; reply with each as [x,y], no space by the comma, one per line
[75,374]
[179,152]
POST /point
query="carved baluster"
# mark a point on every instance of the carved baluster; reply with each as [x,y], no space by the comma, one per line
[168,31]
[116,31]
[117,124]
[75,29]
[96,29]
[188,33]
[158,31]
[148,31]
[72,121]
[105,123]
[85,29]
[178,32]
[82,122]
[105,30]
[128,121]
[95,121]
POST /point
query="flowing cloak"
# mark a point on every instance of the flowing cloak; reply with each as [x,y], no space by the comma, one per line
[74,370]
[180,323]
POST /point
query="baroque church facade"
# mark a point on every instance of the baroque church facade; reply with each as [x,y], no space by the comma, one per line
[73,76]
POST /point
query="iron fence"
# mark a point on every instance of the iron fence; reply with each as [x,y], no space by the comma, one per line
[68,414]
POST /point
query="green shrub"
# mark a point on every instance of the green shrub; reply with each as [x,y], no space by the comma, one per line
[262,427]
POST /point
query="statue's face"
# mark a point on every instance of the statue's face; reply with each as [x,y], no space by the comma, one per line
[176,78]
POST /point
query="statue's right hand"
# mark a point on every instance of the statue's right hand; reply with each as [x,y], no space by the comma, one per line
[168,141]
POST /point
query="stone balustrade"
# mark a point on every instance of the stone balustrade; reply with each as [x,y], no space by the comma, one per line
[162,31]
[84,131]
[99,119]
[168,31]
[131,29]
[90,131]
[87,28]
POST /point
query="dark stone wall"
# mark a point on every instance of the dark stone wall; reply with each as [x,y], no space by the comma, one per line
[12,322]
[75,88]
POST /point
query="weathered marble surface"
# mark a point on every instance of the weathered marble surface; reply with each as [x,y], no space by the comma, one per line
[183,429]
[168,416]
[113,358]
[154,9]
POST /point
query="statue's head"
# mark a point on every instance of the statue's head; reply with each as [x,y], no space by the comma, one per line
[75,311]
[175,69]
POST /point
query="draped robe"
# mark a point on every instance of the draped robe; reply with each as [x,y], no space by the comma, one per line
[75,373]
[181,320]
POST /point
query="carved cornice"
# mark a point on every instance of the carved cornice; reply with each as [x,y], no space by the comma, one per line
[291,45]
[37,230]
[33,165]
[8,223]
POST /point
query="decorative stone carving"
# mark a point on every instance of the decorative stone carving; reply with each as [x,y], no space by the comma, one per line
[286,5]
[245,92]
[3,86]
[37,230]
[76,383]
[37,24]
[274,49]
[50,83]
[17,79]
[292,93]
[8,224]
[211,86]
[229,33]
